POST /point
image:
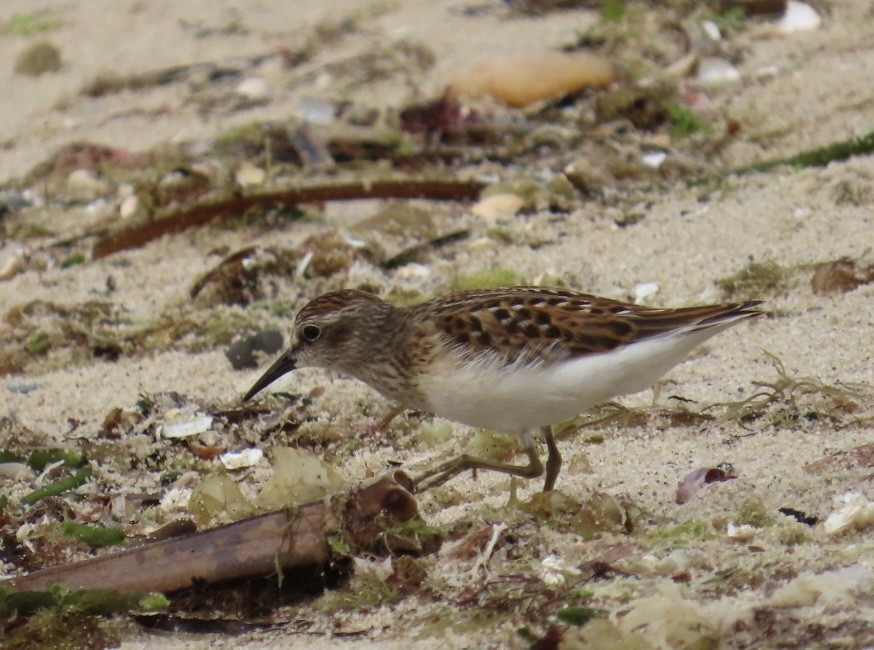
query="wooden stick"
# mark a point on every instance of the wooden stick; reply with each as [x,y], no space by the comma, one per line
[197,215]
[256,546]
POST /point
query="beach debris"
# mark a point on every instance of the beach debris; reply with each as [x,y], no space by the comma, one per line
[292,537]
[241,459]
[854,511]
[183,423]
[695,481]
[840,276]
[799,515]
[298,476]
[740,532]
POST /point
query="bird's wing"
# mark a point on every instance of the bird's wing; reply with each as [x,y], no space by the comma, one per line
[548,325]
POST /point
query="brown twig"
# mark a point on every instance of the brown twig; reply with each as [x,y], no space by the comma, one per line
[135,236]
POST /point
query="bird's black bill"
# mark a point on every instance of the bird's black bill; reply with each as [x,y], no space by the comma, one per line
[283,365]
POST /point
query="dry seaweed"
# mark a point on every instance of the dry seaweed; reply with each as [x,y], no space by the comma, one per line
[790,401]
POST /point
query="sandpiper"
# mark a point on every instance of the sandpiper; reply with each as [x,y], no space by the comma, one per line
[514,360]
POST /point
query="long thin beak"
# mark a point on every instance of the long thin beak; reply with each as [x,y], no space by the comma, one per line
[284,364]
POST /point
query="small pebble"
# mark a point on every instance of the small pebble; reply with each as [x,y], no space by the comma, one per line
[249,175]
[11,260]
[498,206]
[252,88]
[317,110]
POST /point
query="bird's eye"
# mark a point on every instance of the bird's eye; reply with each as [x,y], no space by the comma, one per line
[310,333]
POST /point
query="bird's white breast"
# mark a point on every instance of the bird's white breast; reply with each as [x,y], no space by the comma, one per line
[517,398]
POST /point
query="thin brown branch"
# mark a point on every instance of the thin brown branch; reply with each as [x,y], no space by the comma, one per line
[197,215]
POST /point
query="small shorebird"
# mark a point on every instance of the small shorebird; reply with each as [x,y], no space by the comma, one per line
[513,360]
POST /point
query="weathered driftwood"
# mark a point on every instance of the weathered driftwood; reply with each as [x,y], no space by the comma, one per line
[257,546]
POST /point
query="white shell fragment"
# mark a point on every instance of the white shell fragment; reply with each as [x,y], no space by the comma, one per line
[654,159]
[799,17]
[644,291]
[854,511]
[252,88]
[740,533]
[714,71]
[182,424]
[554,571]
[825,588]
[175,500]
[711,29]
[241,459]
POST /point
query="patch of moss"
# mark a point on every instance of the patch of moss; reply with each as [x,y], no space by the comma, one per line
[485,279]
[362,593]
[753,512]
[73,260]
[682,534]
[38,342]
[612,10]
[756,280]
[684,122]
[30,23]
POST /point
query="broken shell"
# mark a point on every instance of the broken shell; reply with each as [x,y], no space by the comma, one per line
[241,459]
[855,511]
[179,424]
[740,533]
